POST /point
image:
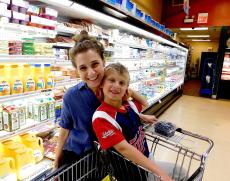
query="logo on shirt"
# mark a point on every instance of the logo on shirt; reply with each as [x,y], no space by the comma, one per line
[107,133]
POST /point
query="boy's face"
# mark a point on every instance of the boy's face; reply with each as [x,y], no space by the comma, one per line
[115,86]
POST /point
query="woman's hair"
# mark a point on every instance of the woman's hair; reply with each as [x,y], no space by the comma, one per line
[118,67]
[83,43]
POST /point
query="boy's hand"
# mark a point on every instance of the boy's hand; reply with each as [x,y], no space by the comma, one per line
[148,118]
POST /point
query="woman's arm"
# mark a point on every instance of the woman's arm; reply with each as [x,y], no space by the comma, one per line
[135,95]
[63,135]
[137,157]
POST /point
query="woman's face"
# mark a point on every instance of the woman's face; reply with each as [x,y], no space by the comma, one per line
[90,67]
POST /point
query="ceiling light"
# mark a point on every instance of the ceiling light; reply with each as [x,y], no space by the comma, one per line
[199,40]
[198,36]
[115,13]
[191,29]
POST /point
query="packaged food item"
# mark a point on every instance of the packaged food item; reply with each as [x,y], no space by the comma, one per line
[7,169]
[50,107]
[15,80]
[40,110]
[21,107]
[33,10]
[28,79]
[35,143]
[50,146]
[49,81]
[10,118]
[1,120]
[4,81]
[39,78]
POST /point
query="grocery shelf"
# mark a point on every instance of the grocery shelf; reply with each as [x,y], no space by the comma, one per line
[64,83]
[39,168]
[14,97]
[158,97]
[26,59]
[69,30]
[63,44]
[31,125]
[63,63]
[36,32]
[133,45]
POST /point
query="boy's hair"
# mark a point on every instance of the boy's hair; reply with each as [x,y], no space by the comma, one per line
[121,69]
[83,43]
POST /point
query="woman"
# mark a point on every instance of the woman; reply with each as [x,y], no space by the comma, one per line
[80,102]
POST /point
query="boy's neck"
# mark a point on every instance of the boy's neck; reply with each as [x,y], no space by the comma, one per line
[116,104]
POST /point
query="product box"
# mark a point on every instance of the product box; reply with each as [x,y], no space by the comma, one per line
[20,3]
[33,10]
[5,13]
[40,111]
[20,16]
[5,1]
[11,118]
[1,119]
[48,11]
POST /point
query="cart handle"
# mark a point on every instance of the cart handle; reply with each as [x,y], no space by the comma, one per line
[211,143]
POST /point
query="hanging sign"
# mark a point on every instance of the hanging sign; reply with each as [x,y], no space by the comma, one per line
[202,18]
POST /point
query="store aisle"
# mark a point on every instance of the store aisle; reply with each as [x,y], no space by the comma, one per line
[192,87]
[210,118]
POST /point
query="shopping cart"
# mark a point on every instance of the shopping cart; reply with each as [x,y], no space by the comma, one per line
[186,151]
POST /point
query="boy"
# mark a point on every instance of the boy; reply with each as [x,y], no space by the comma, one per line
[117,124]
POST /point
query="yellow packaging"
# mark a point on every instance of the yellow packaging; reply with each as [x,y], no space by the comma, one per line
[28,78]
[49,80]
[38,77]
[4,81]
[7,169]
[24,160]
[15,80]
[35,143]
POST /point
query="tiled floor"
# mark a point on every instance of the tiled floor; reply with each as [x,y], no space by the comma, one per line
[210,118]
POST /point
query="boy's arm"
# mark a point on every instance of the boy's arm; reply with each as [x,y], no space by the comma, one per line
[137,157]
[135,95]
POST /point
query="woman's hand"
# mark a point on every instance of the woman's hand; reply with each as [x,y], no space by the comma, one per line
[148,118]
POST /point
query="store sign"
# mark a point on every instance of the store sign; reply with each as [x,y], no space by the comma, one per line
[202,18]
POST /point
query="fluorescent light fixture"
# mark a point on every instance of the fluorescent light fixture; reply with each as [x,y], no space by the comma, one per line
[199,40]
[115,13]
[59,3]
[198,36]
[191,29]
[95,15]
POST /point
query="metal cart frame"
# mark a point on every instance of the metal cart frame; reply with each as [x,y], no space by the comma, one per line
[97,165]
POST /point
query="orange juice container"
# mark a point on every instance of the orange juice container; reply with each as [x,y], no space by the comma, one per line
[35,143]
[15,80]
[28,78]
[7,169]
[24,162]
[38,77]
[4,81]
[49,80]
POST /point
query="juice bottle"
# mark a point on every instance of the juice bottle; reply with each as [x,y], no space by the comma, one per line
[35,143]
[16,81]
[4,82]
[28,80]
[49,82]
[39,78]
[7,169]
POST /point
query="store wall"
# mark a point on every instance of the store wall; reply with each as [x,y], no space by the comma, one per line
[152,7]
[218,13]
[198,47]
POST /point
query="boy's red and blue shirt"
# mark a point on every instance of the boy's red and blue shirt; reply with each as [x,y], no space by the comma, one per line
[113,125]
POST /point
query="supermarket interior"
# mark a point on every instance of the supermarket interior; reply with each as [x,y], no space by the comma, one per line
[177,53]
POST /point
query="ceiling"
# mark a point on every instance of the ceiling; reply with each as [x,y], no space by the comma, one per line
[214,33]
